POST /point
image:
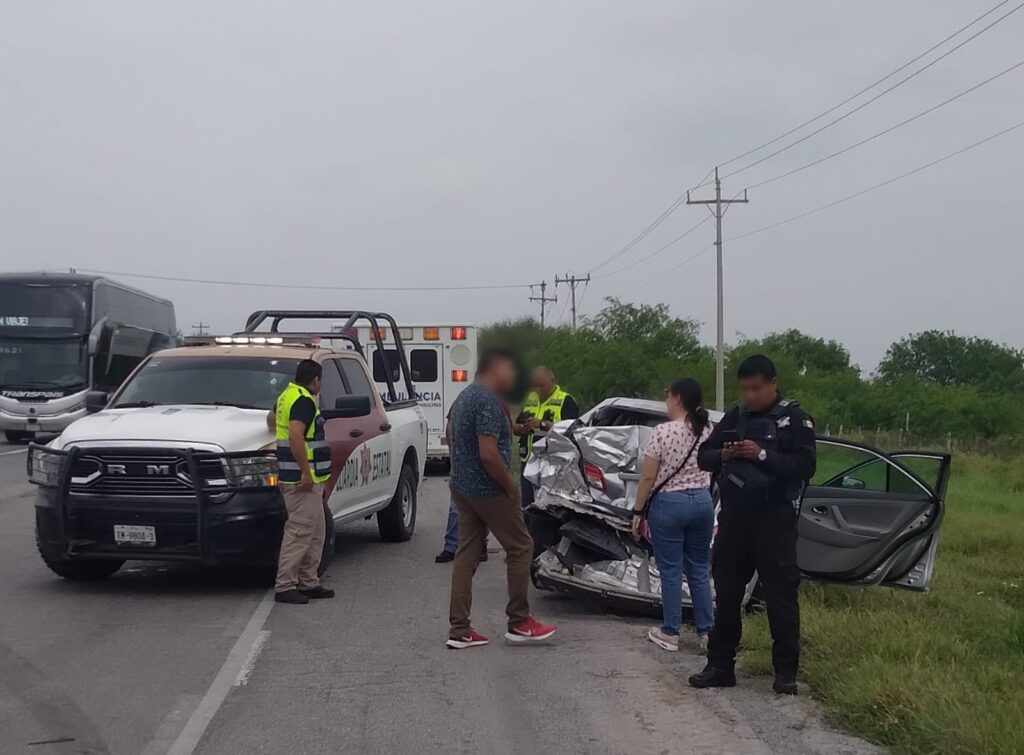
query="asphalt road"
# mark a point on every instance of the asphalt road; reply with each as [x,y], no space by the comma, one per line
[176,659]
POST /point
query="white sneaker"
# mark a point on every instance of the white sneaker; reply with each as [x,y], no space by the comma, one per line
[664,641]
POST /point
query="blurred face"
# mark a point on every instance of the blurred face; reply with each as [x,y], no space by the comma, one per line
[673,405]
[314,387]
[758,392]
[504,375]
[543,382]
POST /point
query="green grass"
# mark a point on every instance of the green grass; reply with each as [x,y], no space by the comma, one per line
[935,673]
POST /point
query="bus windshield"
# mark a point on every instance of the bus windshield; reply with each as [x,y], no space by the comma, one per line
[246,382]
[30,309]
[43,368]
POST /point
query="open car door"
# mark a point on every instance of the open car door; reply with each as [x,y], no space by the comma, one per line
[872,518]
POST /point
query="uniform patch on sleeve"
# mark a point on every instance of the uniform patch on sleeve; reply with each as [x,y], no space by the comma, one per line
[782,422]
[808,424]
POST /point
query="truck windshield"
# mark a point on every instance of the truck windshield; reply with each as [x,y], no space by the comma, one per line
[43,309]
[247,382]
[43,368]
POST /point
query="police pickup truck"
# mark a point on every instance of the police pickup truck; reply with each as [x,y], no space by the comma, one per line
[178,464]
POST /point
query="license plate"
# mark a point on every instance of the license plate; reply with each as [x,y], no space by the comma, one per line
[134,534]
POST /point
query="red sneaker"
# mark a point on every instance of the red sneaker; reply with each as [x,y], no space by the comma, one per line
[530,630]
[471,639]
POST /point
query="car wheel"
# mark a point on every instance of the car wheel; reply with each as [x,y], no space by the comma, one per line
[328,552]
[78,571]
[397,522]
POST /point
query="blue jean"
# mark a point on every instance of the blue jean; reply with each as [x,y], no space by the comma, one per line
[451,531]
[681,525]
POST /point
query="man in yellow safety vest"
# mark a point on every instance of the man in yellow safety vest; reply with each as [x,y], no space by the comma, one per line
[304,465]
[546,405]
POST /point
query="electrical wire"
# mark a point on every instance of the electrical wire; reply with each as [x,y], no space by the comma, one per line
[878,96]
[866,89]
[658,251]
[886,182]
[671,270]
[889,130]
[305,287]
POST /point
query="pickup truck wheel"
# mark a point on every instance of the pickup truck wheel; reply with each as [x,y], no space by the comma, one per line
[398,520]
[328,553]
[79,571]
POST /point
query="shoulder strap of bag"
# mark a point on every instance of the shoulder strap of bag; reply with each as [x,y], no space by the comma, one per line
[660,485]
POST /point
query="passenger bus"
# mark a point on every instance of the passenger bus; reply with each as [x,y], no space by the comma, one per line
[442,360]
[63,335]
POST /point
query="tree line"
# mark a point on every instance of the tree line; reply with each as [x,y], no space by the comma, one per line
[930,385]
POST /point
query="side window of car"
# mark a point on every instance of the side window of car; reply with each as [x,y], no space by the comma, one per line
[852,468]
[355,376]
[332,386]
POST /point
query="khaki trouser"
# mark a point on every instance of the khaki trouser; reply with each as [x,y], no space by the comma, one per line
[504,518]
[303,540]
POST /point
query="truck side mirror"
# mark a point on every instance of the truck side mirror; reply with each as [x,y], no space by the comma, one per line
[348,407]
[96,401]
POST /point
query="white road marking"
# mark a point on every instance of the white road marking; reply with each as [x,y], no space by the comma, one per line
[244,652]
[250,660]
[15,451]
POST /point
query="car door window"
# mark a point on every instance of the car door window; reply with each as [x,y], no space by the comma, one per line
[355,377]
[852,468]
[332,386]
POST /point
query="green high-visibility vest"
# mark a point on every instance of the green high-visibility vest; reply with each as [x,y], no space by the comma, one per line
[318,453]
[550,409]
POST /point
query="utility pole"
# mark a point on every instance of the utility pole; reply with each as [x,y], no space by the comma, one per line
[200,329]
[543,299]
[720,206]
[572,281]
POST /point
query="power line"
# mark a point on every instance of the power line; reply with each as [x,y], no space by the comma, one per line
[659,250]
[305,287]
[889,130]
[572,281]
[544,299]
[662,276]
[886,182]
[866,89]
[878,96]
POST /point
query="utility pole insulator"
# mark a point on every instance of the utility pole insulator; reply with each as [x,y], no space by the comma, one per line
[720,206]
[572,281]
[544,299]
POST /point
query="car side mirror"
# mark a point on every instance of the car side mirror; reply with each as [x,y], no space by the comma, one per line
[96,401]
[348,407]
[852,483]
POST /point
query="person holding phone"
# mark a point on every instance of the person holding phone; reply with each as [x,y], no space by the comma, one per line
[673,492]
[762,453]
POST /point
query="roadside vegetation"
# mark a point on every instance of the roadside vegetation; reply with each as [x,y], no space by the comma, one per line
[942,672]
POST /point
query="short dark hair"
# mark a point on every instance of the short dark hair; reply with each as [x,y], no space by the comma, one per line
[307,371]
[491,357]
[757,365]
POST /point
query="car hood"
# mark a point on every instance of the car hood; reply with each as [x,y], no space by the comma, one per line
[224,428]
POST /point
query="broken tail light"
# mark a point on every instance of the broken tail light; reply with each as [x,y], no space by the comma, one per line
[594,475]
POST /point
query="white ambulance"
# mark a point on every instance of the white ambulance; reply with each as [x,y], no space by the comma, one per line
[442,360]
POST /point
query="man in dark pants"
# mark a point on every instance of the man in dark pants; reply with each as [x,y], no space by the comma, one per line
[762,453]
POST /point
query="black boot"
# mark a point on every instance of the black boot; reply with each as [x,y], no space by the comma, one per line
[785,683]
[318,593]
[713,677]
[291,596]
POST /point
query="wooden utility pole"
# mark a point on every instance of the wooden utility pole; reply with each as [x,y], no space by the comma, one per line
[572,281]
[544,299]
[720,206]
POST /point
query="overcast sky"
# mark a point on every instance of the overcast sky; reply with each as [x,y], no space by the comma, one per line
[470,142]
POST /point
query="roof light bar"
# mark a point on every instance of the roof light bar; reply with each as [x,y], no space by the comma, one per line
[243,340]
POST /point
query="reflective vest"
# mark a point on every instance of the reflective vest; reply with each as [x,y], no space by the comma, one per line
[550,410]
[318,453]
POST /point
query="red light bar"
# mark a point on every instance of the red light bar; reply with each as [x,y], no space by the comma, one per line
[459,333]
[460,376]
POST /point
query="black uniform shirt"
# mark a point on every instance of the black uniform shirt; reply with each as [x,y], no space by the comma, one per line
[788,438]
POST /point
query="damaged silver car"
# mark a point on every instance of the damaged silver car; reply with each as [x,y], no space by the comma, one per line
[868,517]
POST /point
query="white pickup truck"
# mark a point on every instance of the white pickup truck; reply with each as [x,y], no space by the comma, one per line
[178,464]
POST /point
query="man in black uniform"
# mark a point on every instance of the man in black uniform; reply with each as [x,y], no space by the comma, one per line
[761,453]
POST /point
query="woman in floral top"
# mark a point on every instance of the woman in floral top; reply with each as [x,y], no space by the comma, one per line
[680,514]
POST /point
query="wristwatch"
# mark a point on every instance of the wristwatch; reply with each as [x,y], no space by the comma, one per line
[762,455]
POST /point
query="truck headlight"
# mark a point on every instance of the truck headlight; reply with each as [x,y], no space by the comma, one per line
[252,471]
[44,466]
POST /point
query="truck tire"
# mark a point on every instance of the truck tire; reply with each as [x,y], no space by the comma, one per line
[78,571]
[328,553]
[397,522]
